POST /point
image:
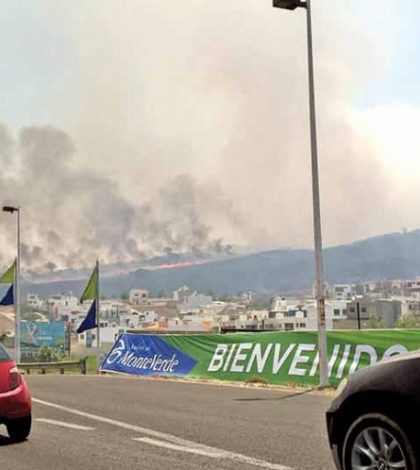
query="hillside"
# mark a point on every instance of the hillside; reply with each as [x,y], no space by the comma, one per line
[279,271]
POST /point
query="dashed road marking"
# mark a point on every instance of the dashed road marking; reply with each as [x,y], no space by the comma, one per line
[178,441]
[189,450]
[64,424]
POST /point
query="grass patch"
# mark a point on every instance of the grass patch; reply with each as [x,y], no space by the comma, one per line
[256,380]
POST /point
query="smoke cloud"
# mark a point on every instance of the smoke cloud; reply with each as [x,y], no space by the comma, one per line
[71,216]
[189,131]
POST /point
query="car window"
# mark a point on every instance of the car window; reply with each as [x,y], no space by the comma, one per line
[4,357]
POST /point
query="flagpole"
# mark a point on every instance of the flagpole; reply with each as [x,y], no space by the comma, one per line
[17,299]
[15,293]
[98,333]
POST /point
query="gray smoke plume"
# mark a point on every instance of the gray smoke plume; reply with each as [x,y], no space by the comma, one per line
[71,216]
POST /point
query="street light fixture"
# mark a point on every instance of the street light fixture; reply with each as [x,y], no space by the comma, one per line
[288,4]
[12,210]
[319,266]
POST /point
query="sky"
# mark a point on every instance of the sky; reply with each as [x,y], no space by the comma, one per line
[135,128]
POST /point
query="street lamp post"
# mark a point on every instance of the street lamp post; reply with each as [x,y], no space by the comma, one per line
[12,210]
[319,266]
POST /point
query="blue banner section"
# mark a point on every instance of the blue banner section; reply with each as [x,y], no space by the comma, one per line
[147,355]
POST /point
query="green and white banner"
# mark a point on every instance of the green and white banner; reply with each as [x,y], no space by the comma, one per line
[275,357]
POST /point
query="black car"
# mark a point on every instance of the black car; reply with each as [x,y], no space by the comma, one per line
[374,421]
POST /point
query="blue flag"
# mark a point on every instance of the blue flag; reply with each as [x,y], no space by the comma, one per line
[90,319]
[8,299]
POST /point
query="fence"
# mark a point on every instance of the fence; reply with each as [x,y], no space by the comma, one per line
[43,367]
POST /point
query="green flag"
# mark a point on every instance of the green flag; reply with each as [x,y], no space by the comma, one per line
[9,276]
[91,290]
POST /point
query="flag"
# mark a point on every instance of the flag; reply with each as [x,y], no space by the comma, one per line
[8,299]
[9,276]
[91,292]
[89,321]
[91,289]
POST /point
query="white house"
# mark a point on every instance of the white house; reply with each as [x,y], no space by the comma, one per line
[194,302]
[108,335]
[343,291]
[34,300]
[138,296]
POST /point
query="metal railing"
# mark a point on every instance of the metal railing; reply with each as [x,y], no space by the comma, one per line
[43,367]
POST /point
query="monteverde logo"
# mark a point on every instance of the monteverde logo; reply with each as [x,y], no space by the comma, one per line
[116,352]
[148,355]
[156,363]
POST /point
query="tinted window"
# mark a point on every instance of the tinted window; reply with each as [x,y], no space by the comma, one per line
[3,355]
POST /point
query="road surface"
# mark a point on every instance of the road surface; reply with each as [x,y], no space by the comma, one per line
[108,422]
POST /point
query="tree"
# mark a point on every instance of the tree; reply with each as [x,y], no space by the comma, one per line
[408,321]
[375,322]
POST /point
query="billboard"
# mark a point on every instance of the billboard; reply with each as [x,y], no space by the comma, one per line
[35,334]
[275,357]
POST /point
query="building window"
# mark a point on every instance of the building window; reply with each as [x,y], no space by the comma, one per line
[363,309]
[352,310]
[336,311]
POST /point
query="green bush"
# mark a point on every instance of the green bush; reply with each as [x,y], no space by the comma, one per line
[46,354]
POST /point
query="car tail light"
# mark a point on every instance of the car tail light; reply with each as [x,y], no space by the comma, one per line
[14,378]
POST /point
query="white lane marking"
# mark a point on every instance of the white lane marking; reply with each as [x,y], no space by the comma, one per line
[64,424]
[167,437]
[168,445]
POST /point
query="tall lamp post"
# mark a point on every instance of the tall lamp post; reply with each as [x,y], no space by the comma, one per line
[319,266]
[12,210]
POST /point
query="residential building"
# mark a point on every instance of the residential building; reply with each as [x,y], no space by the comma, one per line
[34,301]
[387,310]
[138,296]
[412,285]
[339,309]
[182,294]
[61,304]
[194,302]
[285,315]
[343,291]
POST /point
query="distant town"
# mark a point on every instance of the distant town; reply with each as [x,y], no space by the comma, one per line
[385,304]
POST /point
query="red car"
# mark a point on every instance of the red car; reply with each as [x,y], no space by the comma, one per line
[15,399]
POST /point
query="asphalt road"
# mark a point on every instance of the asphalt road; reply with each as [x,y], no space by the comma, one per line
[92,423]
